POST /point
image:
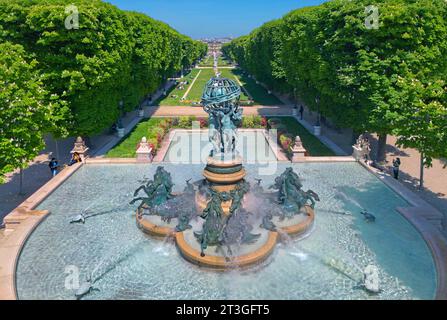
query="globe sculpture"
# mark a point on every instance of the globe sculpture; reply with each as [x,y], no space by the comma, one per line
[220,100]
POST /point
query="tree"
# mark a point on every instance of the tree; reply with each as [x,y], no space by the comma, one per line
[330,52]
[113,56]
[427,131]
[24,117]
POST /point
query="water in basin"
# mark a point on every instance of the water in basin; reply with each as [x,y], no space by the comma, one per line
[194,147]
[132,265]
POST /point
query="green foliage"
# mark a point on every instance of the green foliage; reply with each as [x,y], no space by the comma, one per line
[367,79]
[286,142]
[84,73]
[24,117]
[260,53]
[425,105]
[252,122]
[113,56]
[185,122]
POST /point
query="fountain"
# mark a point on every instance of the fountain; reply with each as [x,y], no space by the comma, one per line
[222,211]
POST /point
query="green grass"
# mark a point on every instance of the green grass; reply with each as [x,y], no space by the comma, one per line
[311,143]
[207,62]
[127,147]
[196,91]
[169,100]
[260,94]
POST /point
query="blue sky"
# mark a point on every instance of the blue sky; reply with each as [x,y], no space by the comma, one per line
[214,18]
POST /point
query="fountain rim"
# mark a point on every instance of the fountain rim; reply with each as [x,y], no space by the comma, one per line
[27,223]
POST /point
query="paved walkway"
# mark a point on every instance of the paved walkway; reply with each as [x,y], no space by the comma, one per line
[177,111]
[435,178]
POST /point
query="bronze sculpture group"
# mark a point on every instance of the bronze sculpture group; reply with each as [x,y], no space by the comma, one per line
[219,229]
[221,195]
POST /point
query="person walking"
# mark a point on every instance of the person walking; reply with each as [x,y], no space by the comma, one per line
[396,167]
[301,112]
[54,165]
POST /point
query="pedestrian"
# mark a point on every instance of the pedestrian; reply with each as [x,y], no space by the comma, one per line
[396,165]
[301,112]
[75,159]
[54,165]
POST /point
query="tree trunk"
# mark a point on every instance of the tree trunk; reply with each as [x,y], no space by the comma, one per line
[421,177]
[381,156]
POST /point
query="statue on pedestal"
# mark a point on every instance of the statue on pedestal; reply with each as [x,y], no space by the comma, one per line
[158,191]
[80,148]
[362,149]
[290,195]
[220,100]
[298,151]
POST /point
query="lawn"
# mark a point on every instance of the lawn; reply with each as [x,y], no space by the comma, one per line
[260,94]
[127,147]
[175,94]
[195,95]
[311,143]
[209,62]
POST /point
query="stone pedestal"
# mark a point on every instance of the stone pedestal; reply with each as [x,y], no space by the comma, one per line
[223,175]
[144,151]
[80,148]
[298,151]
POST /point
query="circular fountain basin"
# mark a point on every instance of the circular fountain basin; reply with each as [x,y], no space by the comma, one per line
[129,264]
